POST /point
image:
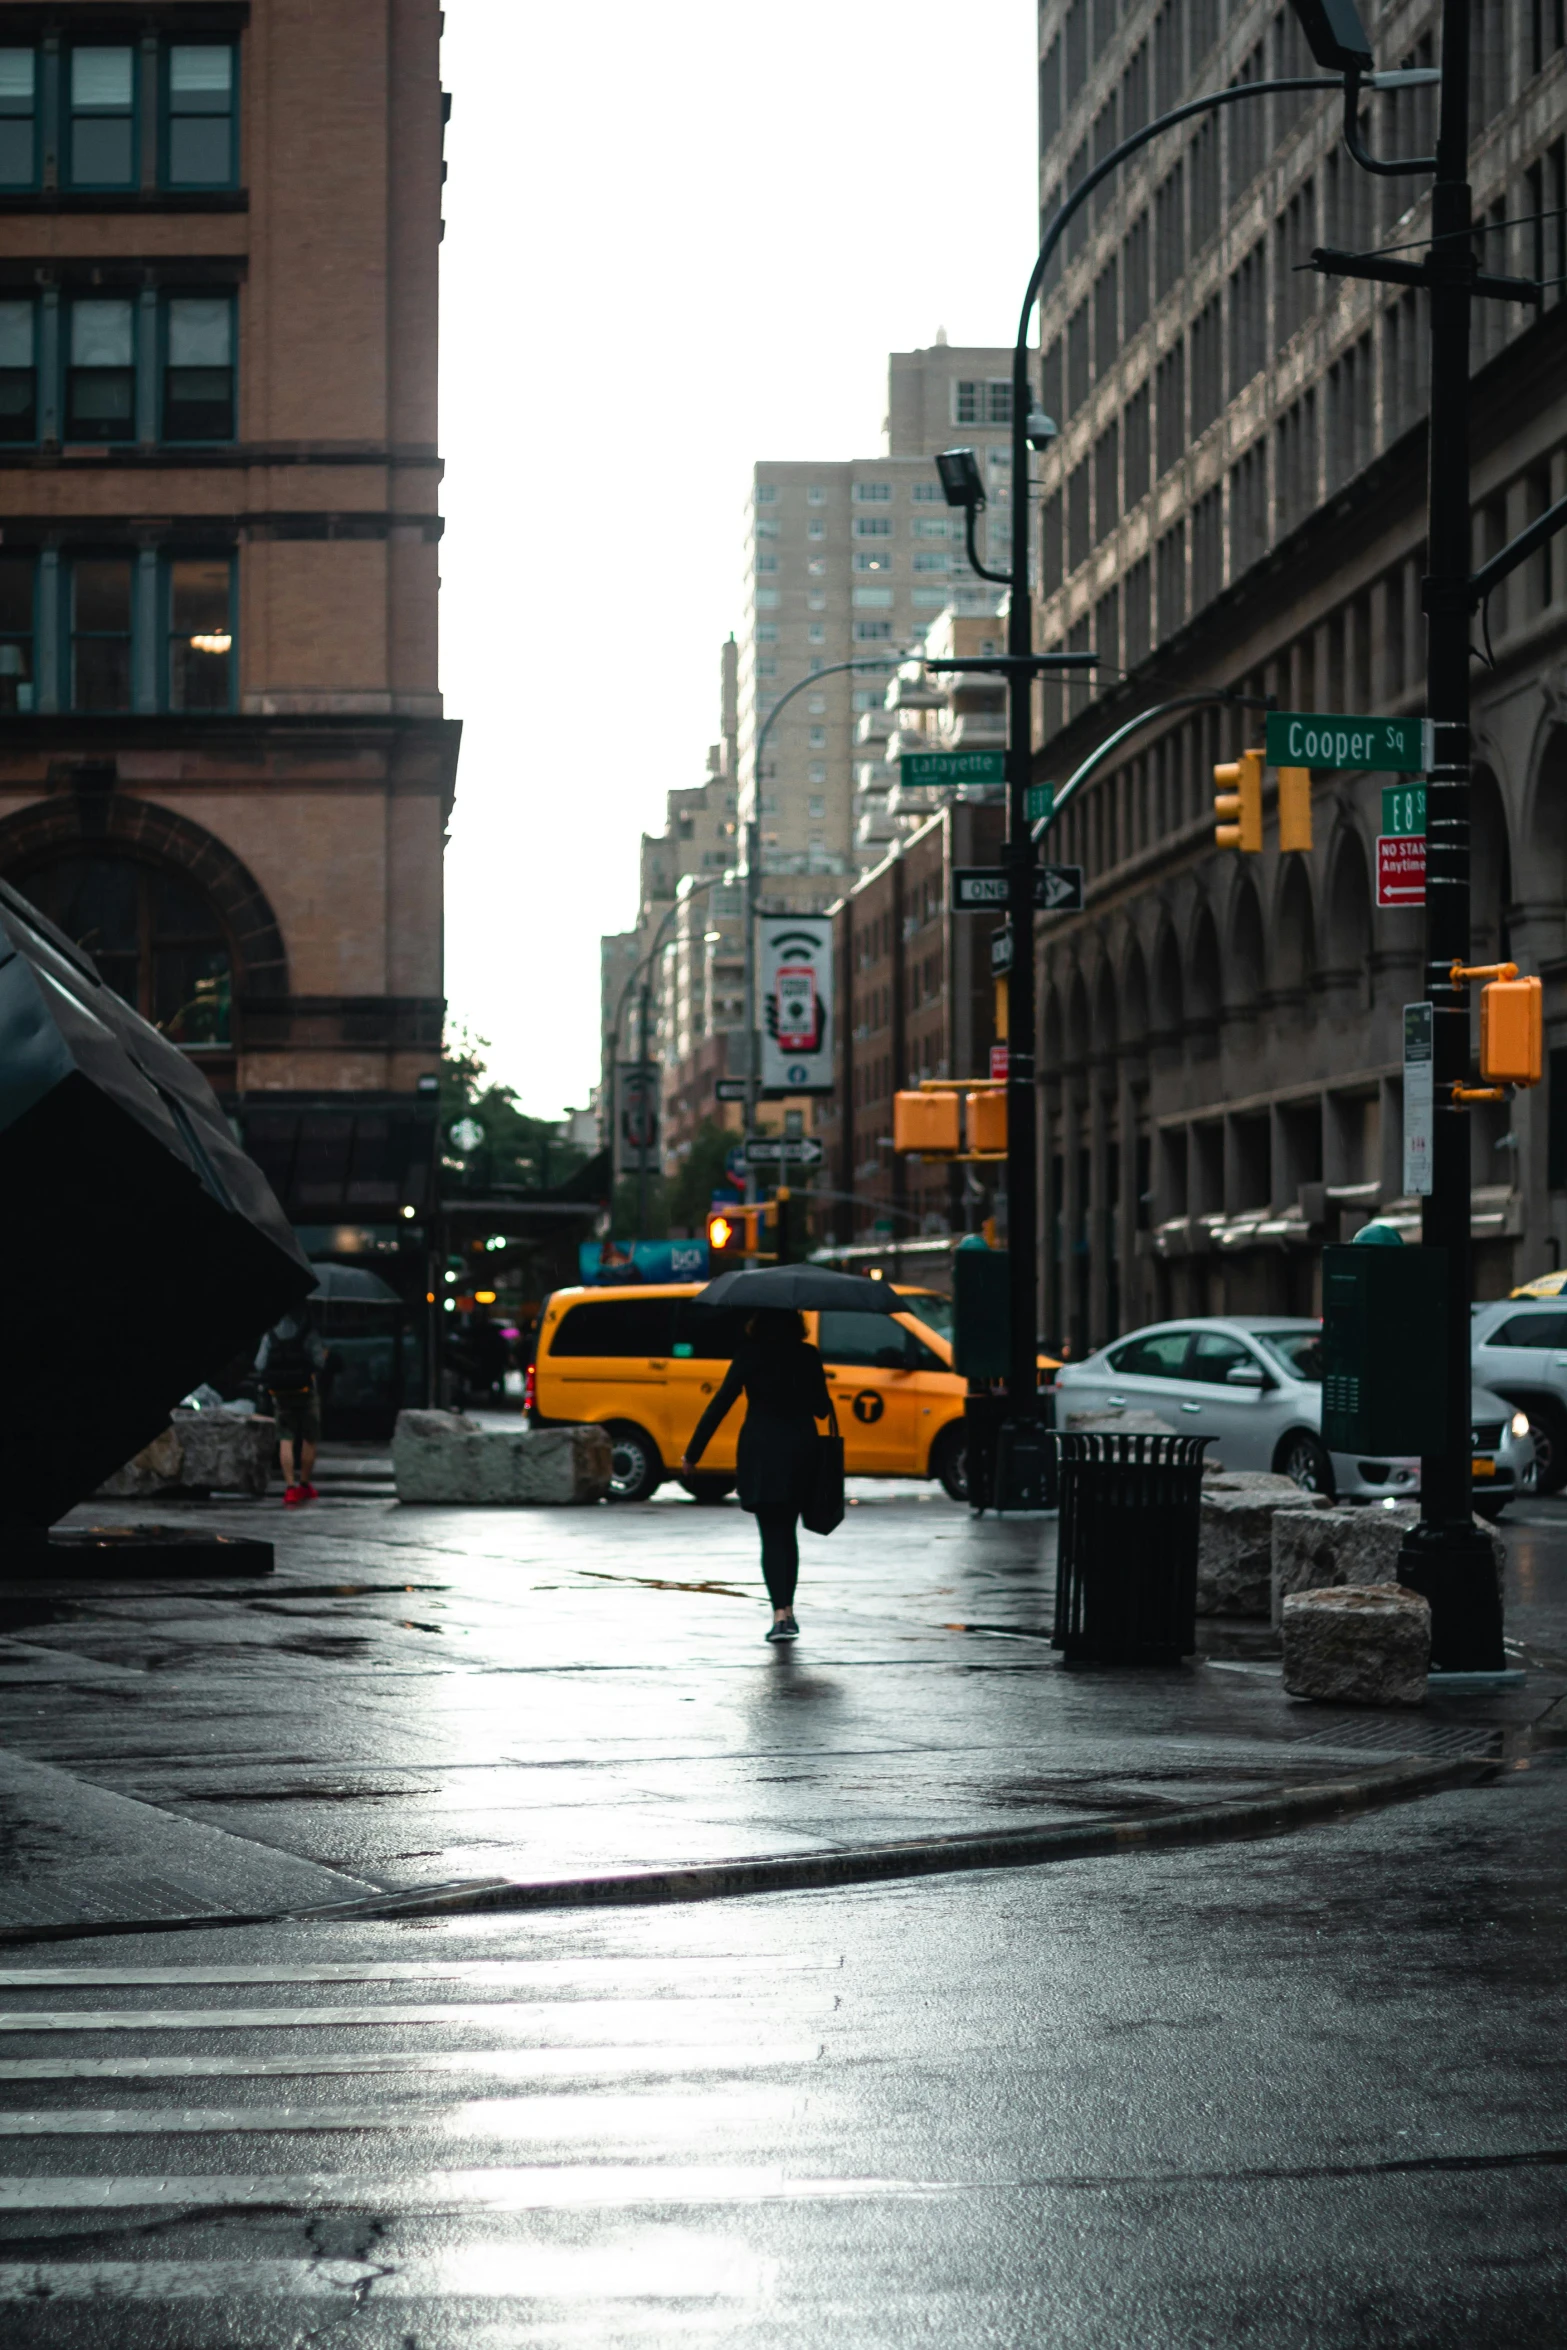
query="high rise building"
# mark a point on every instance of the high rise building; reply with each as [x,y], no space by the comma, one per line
[226,770]
[1237,501]
[853,559]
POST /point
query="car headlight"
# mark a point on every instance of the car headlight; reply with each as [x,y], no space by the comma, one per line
[1520,1423]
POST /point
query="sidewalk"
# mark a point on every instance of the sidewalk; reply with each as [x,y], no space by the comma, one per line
[423,1696]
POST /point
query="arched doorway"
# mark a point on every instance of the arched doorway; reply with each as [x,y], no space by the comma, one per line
[156,938]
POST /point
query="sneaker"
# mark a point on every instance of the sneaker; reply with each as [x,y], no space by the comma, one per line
[293,1495]
[308,1493]
[785,1628]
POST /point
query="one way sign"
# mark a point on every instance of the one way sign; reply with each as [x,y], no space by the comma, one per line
[979,889]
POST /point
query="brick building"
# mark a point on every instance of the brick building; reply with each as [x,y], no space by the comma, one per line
[225,768]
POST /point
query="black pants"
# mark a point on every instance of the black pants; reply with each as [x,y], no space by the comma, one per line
[780,1558]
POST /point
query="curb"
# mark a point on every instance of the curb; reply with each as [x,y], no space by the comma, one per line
[870,1864]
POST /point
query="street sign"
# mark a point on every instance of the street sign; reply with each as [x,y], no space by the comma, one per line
[1000,952]
[1058,889]
[1401,869]
[953,767]
[782,1150]
[998,1064]
[730,1089]
[1419,1115]
[1309,738]
[1041,801]
[1404,808]
[734,1161]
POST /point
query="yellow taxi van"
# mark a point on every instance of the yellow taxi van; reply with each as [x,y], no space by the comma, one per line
[637,1363]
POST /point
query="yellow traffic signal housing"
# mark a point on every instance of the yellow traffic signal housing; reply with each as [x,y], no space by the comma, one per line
[1512,1032]
[1294,808]
[987,1120]
[726,1232]
[925,1122]
[1237,803]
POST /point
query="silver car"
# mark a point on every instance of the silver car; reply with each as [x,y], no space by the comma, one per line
[1254,1384]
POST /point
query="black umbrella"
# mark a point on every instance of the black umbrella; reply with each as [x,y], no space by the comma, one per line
[351,1285]
[807,1288]
[144,1250]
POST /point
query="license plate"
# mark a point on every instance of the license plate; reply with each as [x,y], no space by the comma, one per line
[1484,1468]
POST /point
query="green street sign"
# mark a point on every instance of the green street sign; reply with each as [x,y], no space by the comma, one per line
[953,767]
[1404,809]
[1312,738]
[1041,801]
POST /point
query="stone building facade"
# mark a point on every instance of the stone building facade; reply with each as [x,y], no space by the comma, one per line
[225,766]
[1236,502]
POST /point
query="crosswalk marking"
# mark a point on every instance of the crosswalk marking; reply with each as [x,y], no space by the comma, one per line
[508,2064]
[671,2263]
[675,2116]
[545,2187]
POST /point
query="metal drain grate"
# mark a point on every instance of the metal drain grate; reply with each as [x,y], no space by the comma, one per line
[1383,1737]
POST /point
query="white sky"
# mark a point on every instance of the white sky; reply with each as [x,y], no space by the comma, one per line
[678,239]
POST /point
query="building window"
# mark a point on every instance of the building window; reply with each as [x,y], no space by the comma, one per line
[872,493]
[155,939]
[18,100]
[198,375]
[815,497]
[872,632]
[16,635]
[929,562]
[816,530]
[982,403]
[101,633]
[926,493]
[100,395]
[871,599]
[817,773]
[766,493]
[767,632]
[877,562]
[18,373]
[103,118]
[816,634]
[818,738]
[873,526]
[766,560]
[199,136]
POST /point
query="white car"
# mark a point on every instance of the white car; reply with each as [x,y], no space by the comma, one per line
[1254,1384]
[1520,1351]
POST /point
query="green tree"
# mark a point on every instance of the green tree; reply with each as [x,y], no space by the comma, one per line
[512,1151]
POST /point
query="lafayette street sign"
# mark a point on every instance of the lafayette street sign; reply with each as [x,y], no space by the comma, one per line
[1307,738]
[951,767]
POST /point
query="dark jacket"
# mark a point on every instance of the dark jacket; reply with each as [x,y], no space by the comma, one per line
[785,1389]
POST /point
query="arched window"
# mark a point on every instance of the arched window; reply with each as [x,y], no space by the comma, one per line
[155,939]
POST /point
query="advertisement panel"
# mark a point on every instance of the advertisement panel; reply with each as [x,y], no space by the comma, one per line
[636,1116]
[794,983]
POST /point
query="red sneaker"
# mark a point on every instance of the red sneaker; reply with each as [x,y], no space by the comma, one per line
[293,1495]
[308,1493]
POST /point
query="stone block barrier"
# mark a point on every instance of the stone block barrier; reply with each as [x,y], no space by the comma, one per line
[1366,1645]
[1322,1550]
[446,1457]
[200,1452]
[1235,1545]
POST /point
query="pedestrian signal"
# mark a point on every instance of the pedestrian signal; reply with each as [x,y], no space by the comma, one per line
[1294,807]
[1237,803]
[726,1235]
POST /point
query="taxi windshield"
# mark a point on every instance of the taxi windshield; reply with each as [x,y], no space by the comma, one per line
[930,1307]
[1300,1351]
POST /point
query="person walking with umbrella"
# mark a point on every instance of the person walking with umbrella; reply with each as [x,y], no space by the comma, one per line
[787,1469]
[785,1389]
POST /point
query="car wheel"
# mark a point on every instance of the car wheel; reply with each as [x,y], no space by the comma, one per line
[1548,1427]
[635,1470]
[708,1489]
[949,1462]
[1304,1458]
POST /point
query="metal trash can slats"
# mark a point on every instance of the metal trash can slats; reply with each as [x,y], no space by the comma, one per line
[1126,1561]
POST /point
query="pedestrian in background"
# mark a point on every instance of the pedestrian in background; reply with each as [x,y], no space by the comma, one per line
[785,1388]
[289,1363]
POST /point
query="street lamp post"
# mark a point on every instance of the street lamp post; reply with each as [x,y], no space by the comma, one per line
[644,971]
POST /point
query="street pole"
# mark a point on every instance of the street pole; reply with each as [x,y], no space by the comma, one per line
[1446,1556]
[644,1008]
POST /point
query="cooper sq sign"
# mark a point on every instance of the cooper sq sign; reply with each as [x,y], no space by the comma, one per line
[1311,738]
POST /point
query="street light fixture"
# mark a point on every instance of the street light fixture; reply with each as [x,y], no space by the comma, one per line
[961,479]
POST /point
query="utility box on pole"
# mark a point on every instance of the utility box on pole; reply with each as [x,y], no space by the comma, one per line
[981,1312]
[1384,1350]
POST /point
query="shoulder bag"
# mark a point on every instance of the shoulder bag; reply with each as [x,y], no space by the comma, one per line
[824,1509]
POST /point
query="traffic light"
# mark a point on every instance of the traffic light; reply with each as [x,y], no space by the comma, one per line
[1237,803]
[1294,808]
[727,1232]
[1512,1031]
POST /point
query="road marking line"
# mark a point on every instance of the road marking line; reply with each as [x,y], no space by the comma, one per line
[507,2064]
[571,2187]
[685,2117]
[498,2014]
[669,2264]
[722,1968]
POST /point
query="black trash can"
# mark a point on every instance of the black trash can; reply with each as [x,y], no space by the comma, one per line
[1126,1565]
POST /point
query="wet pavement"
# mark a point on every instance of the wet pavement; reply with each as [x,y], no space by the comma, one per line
[1304,2091]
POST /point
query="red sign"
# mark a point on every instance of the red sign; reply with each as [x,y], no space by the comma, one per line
[1401,869]
[998,1062]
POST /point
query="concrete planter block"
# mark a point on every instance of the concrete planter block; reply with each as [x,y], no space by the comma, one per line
[444,1456]
[200,1452]
[1370,1645]
[1235,1545]
[1321,1550]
